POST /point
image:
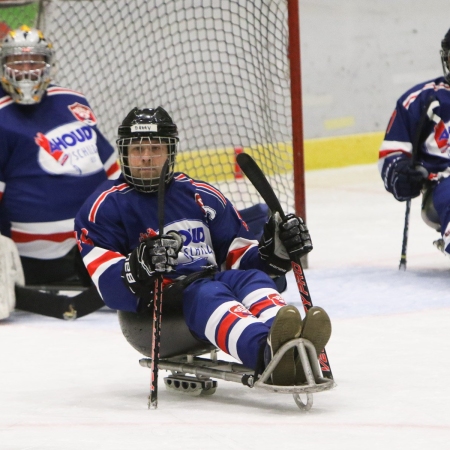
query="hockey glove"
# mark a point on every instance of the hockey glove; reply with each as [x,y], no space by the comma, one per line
[283,240]
[295,236]
[405,182]
[153,256]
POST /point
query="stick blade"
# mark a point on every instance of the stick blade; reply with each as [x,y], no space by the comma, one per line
[259,181]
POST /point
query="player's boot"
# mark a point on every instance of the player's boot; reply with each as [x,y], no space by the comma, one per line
[286,326]
[316,329]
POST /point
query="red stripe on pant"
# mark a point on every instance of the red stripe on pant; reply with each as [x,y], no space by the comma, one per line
[260,305]
[222,331]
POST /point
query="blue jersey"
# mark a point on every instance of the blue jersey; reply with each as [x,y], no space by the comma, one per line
[52,157]
[434,153]
[116,218]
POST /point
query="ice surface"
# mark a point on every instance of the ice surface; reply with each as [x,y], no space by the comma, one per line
[78,385]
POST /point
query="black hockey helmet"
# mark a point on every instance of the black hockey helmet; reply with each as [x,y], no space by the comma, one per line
[143,127]
[445,55]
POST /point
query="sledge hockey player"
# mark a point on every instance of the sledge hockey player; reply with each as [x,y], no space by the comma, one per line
[52,157]
[433,160]
[228,297]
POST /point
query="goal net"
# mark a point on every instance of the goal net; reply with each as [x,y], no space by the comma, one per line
[219,67]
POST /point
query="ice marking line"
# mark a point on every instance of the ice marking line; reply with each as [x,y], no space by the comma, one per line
[223,423]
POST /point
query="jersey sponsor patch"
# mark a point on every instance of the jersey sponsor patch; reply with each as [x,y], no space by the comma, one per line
[70,149]
[197,242]
[83,113]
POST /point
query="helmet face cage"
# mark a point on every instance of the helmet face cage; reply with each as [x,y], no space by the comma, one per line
[142,158]
[27,74]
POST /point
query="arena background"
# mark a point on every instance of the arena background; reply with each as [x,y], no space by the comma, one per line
[357,59]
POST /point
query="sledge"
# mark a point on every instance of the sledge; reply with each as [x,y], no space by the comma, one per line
[194,365]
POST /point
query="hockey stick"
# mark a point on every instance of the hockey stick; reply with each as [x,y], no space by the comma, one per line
[157,299]
[425,116]
[259,181]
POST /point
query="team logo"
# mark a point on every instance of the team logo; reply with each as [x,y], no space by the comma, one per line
[276,299]
[83,113]
[70,149]
[56,153]
[441,136]
[240,311]
[209,212]
[83,238]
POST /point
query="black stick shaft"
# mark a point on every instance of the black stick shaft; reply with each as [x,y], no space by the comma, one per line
[262,185]
[418,137]
[402,265]
[157,300]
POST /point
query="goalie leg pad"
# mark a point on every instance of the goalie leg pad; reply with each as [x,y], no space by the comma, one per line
[11,274]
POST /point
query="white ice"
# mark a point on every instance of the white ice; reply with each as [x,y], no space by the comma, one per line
[78,385]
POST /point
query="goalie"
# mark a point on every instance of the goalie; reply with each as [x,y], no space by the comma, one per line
[52,157]
[233,303]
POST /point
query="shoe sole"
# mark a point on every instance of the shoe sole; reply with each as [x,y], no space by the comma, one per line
[317,328]
[285,327]
[318,332]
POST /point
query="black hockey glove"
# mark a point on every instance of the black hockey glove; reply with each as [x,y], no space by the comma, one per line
[295,236]
[283,240]
[405,181]
[153,256]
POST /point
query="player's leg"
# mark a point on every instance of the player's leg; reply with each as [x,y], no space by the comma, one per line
[257,292]
[11,274]
[259,295]
[441,201]
[213,311]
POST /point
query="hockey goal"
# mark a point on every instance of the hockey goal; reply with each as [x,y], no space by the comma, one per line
[226,70]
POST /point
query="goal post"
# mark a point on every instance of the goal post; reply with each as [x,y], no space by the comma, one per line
[227,71]
[296,108]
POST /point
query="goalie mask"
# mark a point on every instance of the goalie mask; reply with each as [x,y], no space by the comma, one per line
[26,59]
[147,137]
[445,56]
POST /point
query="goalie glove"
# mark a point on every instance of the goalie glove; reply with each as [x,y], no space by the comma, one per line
[153,256]
[284,240]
